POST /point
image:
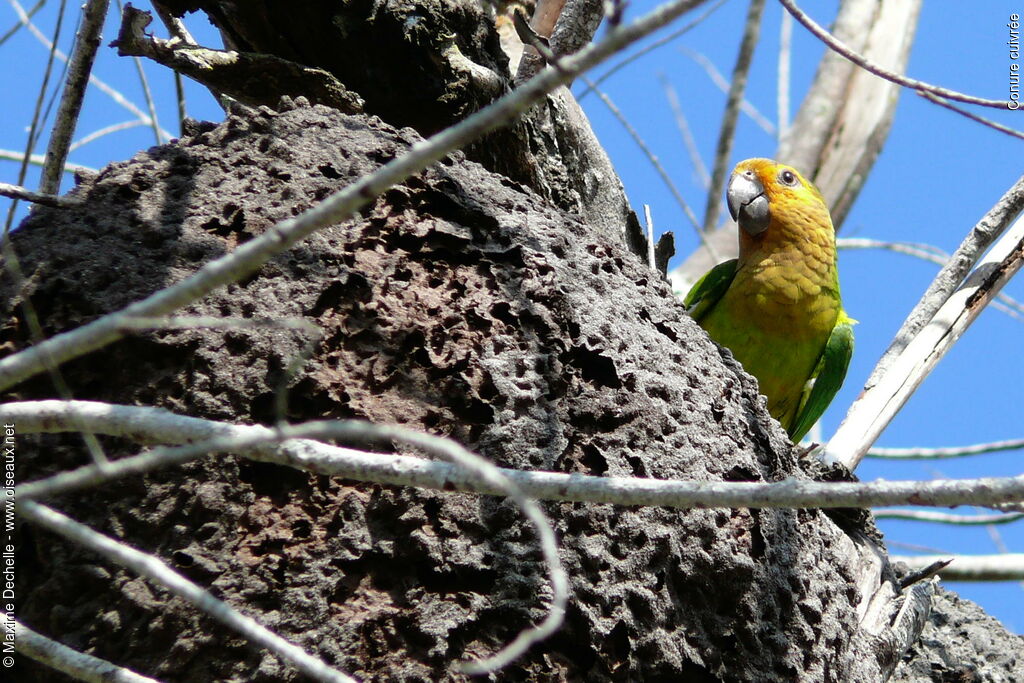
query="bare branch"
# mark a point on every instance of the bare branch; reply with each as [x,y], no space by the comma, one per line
[263,442]
[100,84]
[971,115]
[685,133]
[289,446]
[649,48]
[651,157]
[927,252]
[838,46]
[37,112]
[871,413]
[337,207]
[946,518]
[950,452]
[719,80]
[723,150]
[38,159]
[1006,567]
[71,662]
[989,228]
[785,56]
[86,44]
[18,192]
[156,571]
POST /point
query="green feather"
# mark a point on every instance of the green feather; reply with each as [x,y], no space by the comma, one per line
[826,379]
[706,292]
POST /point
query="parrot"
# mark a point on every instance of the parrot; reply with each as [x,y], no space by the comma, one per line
[777,307]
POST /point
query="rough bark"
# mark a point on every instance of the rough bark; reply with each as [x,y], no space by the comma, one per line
[424,64]
[460,303]
[960,643]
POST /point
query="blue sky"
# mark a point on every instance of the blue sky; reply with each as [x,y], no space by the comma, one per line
[936,176]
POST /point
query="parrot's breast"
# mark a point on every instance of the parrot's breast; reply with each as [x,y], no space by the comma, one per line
[776,318]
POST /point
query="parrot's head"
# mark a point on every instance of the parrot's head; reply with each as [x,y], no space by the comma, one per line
[763,193]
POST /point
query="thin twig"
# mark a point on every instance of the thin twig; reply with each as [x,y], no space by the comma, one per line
[37,118]
[76,664]
[653,158]
[876,407]
[785,57]
[107,130]
[927,252]
[146,93]
[337,207]
[971,115]
[100,84]
[156,571]
[723,150]
[685,133]
[290,446]
[82,57]
[719,80]
[1009,567]
[648,48]
[989,228]
[39,159]
[949,452]
[17,192]
[17,27]
[841,48]
[945,517]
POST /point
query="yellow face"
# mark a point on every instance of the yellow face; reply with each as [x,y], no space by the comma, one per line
[760,188]
[774,203]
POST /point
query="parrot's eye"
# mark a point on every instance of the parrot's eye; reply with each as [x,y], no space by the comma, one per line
[787,177]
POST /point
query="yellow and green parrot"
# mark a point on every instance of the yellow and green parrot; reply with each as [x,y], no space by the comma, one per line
[777,307]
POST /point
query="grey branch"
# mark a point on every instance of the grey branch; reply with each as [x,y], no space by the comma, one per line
[251,78]
[838,46]
[18,192]
[947,452]
[1004,567]
[71,662]
[726,134]
[988,229]
[86,44]
[872,412]
[292,446]
[150,425]
[946,518]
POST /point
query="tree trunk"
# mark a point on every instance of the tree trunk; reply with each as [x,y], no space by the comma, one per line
[475,301]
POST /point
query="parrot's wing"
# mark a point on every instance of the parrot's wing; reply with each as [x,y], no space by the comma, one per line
[828,376]
[706,292]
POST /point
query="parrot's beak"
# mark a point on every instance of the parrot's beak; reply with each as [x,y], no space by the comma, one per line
[748,204]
